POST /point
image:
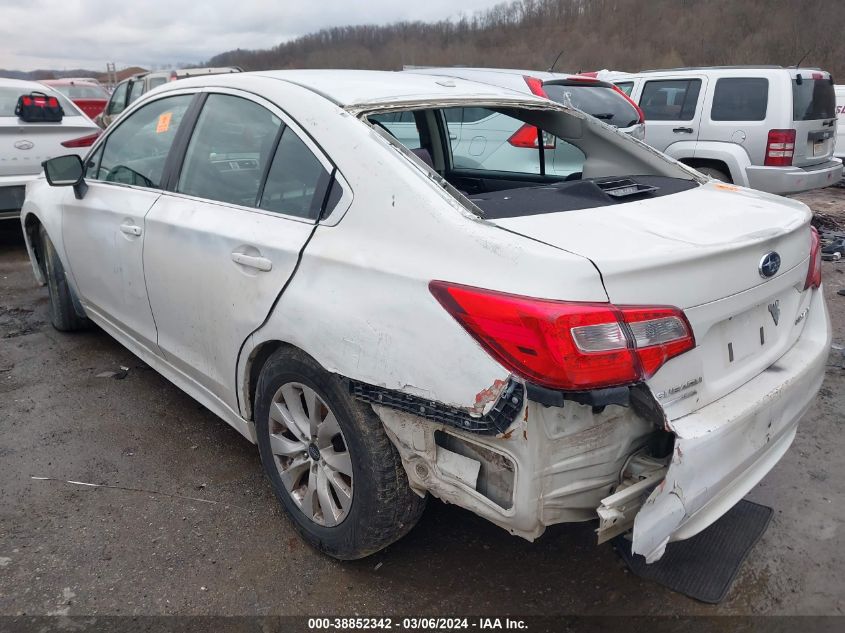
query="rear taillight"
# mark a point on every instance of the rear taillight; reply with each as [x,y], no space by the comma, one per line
[814,273]
[82,141]
[535,86]
[568,345]
[780,148]
[636,106]
[526,136]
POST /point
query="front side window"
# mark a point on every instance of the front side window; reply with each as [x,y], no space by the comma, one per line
[118,99]
[297,181]
[135,152]
[670,100]
[229,150]
[740,99]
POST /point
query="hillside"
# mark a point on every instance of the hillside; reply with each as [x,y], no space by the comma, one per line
[593,34]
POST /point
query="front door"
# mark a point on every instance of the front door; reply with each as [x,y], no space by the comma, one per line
[104,232]
[220,248]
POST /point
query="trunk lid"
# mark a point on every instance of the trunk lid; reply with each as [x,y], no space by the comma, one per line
[814,116]
[24,146]
[699,250]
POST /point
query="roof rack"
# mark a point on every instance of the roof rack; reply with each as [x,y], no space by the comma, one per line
[754,66]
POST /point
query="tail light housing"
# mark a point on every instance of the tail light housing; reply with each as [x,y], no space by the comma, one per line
[527,136]
[535,86]
[814,273]
[564,345]
[780,148]
[82,141]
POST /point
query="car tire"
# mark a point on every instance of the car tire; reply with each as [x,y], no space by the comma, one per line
[63,315]
[713,172]
[380,508]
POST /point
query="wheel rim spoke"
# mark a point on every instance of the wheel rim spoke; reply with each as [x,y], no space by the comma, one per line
[297,418]
[327,430]
[331,513]
[337,461]
[341,489]
[310,502]
[280,445]
[314,406]
[292,473]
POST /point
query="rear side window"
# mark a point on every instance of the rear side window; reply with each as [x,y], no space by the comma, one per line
[626,86]
[601,102]
[740,99]
[813,99]
[670,100]
[229,150]
[297,181]
[135,153]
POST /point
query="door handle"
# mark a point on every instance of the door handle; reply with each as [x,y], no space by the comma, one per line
[130,229]
[678,130]
[453,137]
[252,261]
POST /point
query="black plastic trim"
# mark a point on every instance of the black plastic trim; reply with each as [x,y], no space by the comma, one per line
[497,420]
[593,398]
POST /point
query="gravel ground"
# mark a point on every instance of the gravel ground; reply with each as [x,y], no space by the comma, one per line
[75,550]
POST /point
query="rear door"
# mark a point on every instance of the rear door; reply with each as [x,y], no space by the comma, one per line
[814,116]
[222,244]
[672,108]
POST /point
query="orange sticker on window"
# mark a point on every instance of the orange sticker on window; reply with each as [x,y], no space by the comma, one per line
[163,122]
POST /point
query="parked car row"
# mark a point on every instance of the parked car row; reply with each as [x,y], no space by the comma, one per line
[352,270]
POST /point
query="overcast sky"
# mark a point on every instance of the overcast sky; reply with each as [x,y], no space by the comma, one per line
[61,34]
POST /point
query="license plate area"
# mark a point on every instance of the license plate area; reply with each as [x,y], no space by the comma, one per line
[753,332]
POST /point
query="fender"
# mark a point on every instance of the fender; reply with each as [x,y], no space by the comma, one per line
[733,155]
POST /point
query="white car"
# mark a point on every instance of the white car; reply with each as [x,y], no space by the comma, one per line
[25,145]
[764,127]
[636,344]
[839,152]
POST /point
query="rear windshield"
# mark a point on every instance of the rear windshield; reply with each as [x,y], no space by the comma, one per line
[82,91]
[813,99]
[603,103]
[9,99]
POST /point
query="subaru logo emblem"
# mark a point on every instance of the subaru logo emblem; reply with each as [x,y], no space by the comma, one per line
[769,265]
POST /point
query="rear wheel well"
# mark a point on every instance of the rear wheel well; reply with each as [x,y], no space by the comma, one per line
[32,227]
[719,165]
[255,364]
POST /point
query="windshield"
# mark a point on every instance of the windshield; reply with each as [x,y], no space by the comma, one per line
[82,91]
[813,99]
[601,102]
[9,99]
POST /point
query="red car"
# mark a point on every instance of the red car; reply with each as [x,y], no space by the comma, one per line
[91,98]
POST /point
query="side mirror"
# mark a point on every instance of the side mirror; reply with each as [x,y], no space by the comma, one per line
[66,171]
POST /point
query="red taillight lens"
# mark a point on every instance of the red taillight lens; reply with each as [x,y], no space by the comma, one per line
[535,86]
[82,141]
[526,136]
[814,273]
[780,148]
[568,345]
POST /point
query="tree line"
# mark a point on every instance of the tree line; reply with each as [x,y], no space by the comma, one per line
[593,34]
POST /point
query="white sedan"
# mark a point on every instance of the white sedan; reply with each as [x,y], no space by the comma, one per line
[632,343]
[24,145]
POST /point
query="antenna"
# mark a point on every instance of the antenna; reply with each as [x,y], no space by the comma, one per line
[803,58]
[552,67]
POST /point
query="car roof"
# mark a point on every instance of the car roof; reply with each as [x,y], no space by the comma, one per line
[362,87]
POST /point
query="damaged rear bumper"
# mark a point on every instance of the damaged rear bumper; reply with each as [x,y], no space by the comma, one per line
[724,449]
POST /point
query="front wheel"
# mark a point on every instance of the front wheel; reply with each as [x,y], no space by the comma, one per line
[329,461]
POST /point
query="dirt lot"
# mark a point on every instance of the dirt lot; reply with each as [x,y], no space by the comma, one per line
[67,549]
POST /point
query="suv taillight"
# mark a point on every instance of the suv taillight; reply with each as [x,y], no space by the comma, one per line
[814,273]
[82,141]
[568,345]
[535,86]
[780,148]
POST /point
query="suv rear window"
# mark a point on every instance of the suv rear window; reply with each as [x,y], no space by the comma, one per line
[813,99]
[601,102]
[740,99]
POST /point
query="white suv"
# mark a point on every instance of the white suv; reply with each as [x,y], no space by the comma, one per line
[766,127]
